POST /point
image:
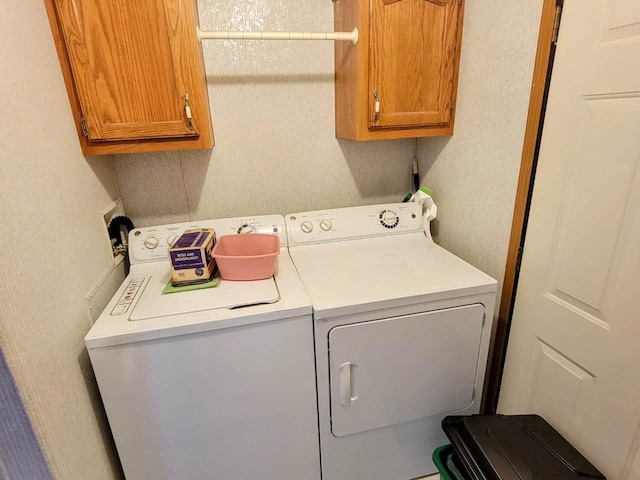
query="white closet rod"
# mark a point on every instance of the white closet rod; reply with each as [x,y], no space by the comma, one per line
[335,36]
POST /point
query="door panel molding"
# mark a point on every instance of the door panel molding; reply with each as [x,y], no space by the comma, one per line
[579,308]
[570,383]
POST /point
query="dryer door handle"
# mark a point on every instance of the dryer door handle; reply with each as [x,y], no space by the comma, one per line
[348,393]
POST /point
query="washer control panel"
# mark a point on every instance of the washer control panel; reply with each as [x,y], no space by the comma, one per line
[128,296]
[354,222]
[246,228]
[151,244]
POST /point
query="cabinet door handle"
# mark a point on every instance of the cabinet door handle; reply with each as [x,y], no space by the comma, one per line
[187,111]
[376,109]
[347,384]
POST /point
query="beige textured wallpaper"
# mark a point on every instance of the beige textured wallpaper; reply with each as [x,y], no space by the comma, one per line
[272,105]
[474,173]
[53,248]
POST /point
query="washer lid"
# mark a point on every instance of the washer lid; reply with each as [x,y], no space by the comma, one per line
[227,295]
[357,276]
[114,326]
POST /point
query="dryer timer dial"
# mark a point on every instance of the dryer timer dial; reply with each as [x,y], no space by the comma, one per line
[389,219]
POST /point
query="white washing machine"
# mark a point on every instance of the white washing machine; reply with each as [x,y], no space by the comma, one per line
[402,331]
[216,383]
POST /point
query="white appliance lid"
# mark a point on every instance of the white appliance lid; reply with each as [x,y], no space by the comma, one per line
[226,295]
[356,276]
[114,326]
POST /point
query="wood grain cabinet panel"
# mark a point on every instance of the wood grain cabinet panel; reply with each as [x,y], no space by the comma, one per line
[401,79]
[134,74]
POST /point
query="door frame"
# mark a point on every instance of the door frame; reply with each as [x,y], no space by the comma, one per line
[545,53]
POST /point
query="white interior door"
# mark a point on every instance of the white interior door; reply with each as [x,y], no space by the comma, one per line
[574,347]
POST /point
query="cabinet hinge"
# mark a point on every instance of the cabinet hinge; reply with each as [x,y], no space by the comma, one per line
[187,111]
[376,107]
[84,128]
[451,109]
[556,25]
[473,394]
[519,259]
[459,3]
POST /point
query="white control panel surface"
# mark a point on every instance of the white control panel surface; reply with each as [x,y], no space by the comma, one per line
[128,296]
[151,244]
[351,223]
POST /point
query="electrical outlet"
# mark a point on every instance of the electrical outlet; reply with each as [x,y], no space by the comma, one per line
[114,209]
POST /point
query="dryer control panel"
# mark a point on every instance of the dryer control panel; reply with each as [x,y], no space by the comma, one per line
[351,223]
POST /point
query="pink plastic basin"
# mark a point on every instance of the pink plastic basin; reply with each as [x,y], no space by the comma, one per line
[247,257]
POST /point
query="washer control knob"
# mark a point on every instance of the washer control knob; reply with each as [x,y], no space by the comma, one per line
[151,242]
[246,228]
[326,225]
[389,219]
[307,227]
[171,239]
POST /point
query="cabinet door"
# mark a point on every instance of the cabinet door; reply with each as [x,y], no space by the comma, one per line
[132,66]
[413,45]
[397,370]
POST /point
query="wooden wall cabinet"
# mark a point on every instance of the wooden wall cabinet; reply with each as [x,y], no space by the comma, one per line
[406,59]
[134,74]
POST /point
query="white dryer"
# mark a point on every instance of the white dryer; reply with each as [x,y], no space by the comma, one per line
[215,383]
[402,330]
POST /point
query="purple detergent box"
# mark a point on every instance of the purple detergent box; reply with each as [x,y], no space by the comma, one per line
[191,259]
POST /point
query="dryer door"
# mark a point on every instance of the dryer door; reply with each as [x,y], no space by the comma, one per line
[396,370]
